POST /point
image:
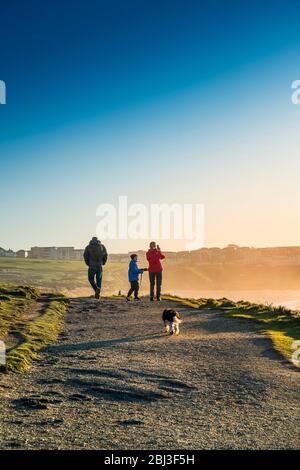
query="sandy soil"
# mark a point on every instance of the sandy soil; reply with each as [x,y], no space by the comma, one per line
[114,380]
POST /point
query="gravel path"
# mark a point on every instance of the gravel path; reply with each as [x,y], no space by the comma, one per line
[115,381]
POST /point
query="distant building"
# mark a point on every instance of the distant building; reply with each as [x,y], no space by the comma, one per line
[78,254]
[10,253]
[65,252]
[55,253]
[21,254]
[44,252]
[118,257]
[2,252]
[7,253]
[233,254]
[230,255]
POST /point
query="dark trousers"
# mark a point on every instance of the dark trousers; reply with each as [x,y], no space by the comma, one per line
[134,288]
[155,278]
[95,272]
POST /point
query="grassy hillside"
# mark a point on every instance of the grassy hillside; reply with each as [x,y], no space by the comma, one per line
[71,276]
[29,320]
[59,276]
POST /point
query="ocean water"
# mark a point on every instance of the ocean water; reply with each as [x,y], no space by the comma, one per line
[287,298]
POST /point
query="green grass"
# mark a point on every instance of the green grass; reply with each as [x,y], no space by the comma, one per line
[70,277]
[13,302]
[188,302]
[49,274]
[35,333]
[279,323]
[60,276]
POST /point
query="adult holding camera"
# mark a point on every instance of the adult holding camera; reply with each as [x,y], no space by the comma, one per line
[154,257]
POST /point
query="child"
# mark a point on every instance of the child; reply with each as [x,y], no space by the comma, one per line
[133,276]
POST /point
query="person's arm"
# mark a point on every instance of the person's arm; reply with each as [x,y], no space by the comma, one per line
[136,269]
[86,256]
[105,255]
[160,254]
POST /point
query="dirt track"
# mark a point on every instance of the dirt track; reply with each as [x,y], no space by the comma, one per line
[115,381]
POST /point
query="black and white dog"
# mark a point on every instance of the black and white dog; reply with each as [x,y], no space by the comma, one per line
[171,320]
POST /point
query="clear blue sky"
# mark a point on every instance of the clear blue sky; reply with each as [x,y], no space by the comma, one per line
[163,101]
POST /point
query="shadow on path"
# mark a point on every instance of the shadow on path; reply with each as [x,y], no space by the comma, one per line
[100,344]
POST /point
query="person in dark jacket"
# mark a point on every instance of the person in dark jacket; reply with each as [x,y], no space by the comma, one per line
[133,277]
[154,256]
[95,256]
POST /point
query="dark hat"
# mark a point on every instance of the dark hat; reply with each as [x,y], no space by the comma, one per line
[133,256]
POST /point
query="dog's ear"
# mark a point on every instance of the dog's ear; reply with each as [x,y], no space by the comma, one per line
[164,314]
[178,315]
[169,310]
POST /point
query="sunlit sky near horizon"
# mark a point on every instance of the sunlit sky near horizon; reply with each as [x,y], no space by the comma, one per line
[162,101]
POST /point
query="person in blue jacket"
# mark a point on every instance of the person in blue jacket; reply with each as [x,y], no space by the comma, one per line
[133,276]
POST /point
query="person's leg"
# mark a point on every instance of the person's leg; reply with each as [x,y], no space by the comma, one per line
[99,277]
[91,277]
[158,284]
[152,284]
[132,287]
[136,289]
[98,281]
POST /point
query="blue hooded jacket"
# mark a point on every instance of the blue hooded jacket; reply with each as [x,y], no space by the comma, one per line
[134,271]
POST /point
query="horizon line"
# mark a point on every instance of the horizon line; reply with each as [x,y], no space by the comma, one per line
[230,245]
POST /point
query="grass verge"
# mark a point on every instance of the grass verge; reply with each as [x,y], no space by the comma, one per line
[33,333]
[13,302]
[282,325]
[37,334]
